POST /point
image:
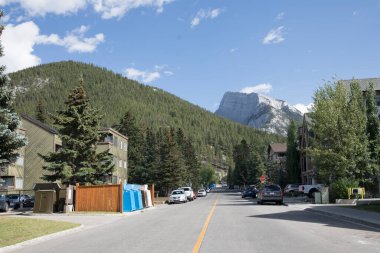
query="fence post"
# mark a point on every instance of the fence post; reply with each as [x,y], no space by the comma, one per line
[76,196]
[121,197]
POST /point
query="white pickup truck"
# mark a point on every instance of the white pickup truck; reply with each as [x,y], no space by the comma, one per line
[188,192]
[310,189]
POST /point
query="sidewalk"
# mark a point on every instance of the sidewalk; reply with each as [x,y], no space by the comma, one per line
[366,218]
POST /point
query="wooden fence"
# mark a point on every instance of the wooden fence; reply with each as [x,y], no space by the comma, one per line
[99,198]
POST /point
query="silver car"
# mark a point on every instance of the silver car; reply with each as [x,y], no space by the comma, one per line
[177,196]
[270,193]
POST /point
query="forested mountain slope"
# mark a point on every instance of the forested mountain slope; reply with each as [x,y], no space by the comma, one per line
[114,95]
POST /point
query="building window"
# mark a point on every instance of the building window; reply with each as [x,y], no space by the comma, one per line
[19,183]
[121,145]
[120,163]
[125,164]
[125,146]
[114,179]
[20,160]
[109,138]
[7,182]
[114,161]
[115,141]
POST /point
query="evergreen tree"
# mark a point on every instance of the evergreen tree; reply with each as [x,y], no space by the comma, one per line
[170,172]
[292,157]
[10,140]
[41,114]
[151,156]
[77,160]
[242,160]
[128,127]
[373,128]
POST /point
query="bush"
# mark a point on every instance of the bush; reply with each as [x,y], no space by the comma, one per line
[339,189]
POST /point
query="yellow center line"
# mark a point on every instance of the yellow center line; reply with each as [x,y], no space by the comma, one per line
[203,232]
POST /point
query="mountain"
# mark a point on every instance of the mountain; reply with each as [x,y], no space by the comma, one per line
[258,111]
[113,94]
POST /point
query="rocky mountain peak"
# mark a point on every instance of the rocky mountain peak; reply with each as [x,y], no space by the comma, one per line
[258,111]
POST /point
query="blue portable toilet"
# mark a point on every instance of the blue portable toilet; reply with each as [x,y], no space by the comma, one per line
[138,199]
[129,203]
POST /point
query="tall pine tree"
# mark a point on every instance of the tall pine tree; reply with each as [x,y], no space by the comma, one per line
[77,161]
[292,166]
[10,140]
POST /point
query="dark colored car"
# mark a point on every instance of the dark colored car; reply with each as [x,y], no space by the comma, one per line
[29,202]
[4,204]
[249,193]
[15,200]
[270,193]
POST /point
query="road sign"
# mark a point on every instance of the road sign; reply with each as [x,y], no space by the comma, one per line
[262,178]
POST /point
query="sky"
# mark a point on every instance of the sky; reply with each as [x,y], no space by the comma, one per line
[200,49]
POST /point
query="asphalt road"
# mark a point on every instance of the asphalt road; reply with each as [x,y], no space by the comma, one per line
[235,225]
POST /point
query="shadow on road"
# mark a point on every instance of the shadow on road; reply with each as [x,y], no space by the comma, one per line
[304,216]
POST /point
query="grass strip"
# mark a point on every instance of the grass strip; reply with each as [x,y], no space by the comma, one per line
[15,229]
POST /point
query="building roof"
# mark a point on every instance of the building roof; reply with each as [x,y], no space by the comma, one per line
[39,123]
[278,147]
[113,131]
[364,83]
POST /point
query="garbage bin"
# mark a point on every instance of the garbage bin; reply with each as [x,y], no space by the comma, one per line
[47,198]
[128,201]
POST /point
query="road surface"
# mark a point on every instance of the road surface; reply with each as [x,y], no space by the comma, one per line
[221,222]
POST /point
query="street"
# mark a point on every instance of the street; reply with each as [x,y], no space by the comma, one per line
[236,225]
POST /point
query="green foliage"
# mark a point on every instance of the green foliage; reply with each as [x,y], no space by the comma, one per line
[212,137]
[340,146]
[41,114]
[207,175]
[77,160]
[292,155]
[10,140]
[339,188]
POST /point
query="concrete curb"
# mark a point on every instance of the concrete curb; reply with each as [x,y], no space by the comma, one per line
[40,239]
[346,218]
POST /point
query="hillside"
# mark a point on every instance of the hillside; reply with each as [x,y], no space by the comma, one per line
[114,94]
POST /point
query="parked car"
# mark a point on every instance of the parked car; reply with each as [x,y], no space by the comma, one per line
[4,204]
[177,196]
[207,190]
[249,192]
[189,192]
[270,193]
[202,193]
[29,202]
[15,200]
[292,189]
[310,189]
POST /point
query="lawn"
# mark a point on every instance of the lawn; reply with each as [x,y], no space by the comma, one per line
[14,229]
[371,208]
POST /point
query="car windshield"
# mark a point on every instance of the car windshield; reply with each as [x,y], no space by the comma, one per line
[272,188]
[186,189]
[13,197]
[176,192]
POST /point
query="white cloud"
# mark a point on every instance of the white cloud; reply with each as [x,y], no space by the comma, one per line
[117,8]
[355,13]
[280,16]
[260,88]
[274,36]
[304,108]
[107,8]
[148,76]
[202,14]
[19,40]
[143,76]
[233,50]
[74,41]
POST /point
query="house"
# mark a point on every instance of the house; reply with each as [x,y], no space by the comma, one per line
[117,144]
[42,139]
[12,177]
[308,173]
[276,153]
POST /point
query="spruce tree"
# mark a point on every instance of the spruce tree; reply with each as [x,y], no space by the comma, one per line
[77,161]
[242,158]
[41,113]
[292,166]
[151,156]
[373,128]
[128,127]
[10,140]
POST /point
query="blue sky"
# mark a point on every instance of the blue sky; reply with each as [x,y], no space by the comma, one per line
[200,49]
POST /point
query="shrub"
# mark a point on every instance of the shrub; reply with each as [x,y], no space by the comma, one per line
[339,188]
